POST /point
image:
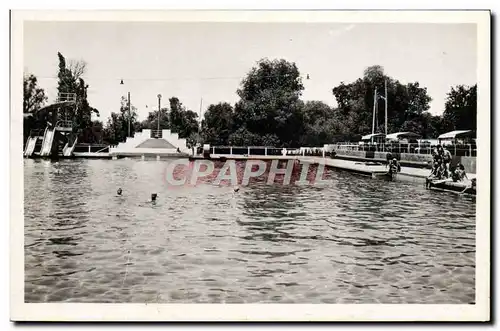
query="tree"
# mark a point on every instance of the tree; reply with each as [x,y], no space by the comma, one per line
[71,81]
[182,121]
[243,137]
[33,100]
[461,108]
[77,68]
[151,121]
[113,132]
[193,140]
[217,125]
[94,134]
[128,117]
[269,104]
[406,103]
[319,124]
[33,96]
[117,126]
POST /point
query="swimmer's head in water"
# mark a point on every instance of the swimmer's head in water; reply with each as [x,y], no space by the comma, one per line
[153,196]
[236,189]
[119,192]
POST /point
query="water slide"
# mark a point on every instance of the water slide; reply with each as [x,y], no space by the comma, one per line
[30,146]
[48,139]
[68,150]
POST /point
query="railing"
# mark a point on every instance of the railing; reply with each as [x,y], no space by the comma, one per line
[156,134]
[247,150]
[266,151]
[91,148]
[66,97]
[457,150]
[64,124]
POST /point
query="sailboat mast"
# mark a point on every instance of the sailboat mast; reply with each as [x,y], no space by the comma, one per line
[201,106]
[374,107]
[386,97]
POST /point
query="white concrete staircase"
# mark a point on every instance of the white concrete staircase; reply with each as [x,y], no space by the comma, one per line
[130,145]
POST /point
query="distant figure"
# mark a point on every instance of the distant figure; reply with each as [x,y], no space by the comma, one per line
[236,189]
[394,166]
[57,170]
[388,159]
[459,174]
[153,197]
[119,192]
[178,150]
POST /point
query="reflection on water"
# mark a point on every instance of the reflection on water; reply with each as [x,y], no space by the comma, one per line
[347,240]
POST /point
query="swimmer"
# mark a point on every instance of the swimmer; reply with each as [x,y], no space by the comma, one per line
[153,197]
[119,192]
[236,189]
[57,170]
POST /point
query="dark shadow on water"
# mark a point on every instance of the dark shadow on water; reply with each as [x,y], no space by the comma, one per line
[72,241]
[63,254]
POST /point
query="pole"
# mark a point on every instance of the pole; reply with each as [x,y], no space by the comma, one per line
[385,107]
[201,105]
[374,105]
[129,114]
[159,108]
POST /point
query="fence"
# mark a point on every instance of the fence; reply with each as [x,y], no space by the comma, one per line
[266,151]
[455,149]
[250,150]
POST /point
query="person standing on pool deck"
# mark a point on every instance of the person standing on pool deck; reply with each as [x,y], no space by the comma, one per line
[446,159]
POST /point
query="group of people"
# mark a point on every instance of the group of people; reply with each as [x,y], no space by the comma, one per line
[441,166]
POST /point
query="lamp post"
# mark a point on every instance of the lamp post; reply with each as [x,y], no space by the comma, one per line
[159,109]
[121,83]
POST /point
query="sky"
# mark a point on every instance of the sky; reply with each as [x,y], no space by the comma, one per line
[204,63]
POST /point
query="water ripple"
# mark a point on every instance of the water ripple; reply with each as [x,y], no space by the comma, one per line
[349,240]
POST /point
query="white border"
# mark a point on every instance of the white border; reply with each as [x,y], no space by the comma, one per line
[21,311]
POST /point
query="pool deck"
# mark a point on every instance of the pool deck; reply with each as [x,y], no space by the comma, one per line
[369,169]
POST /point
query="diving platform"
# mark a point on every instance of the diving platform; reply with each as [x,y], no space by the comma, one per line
[58,138]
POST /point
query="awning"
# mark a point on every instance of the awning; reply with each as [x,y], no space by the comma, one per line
[369,136]
[402,135]
[455,134]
